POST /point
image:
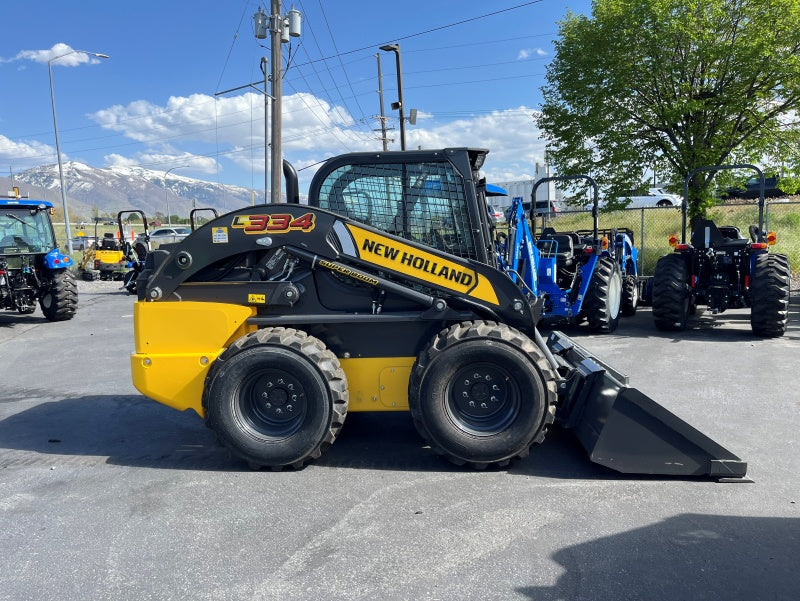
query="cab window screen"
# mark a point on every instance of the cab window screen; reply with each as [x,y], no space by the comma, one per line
[423,202]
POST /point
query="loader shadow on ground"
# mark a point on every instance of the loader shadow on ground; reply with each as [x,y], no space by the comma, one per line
[134,431]
[688,556]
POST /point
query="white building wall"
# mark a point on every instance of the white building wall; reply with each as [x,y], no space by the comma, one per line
[523,188]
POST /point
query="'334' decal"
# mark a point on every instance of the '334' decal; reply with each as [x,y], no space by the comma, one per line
[276,224]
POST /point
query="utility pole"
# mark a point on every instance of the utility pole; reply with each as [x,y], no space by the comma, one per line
[276,31]
[281,29]
[264,70]
[382,117]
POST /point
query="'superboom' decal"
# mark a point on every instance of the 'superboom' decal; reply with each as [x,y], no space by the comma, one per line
[423,265]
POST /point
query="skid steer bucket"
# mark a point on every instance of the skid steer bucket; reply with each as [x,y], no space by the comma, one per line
[626,430]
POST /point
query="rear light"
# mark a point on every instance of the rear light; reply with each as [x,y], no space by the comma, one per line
[759,246]
[589,250]
[693,281]
[772,238]
[681,247]
[56,261]
[97,263]
[747,281]
[673,240]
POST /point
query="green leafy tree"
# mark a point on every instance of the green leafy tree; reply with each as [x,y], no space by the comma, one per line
[672,85]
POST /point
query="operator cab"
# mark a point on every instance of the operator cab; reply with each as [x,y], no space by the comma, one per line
[417,195]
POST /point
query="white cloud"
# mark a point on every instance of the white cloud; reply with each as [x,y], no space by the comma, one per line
[25,154]
[70,56]
[510,135]
[207,133]
[526,53]
[235,120]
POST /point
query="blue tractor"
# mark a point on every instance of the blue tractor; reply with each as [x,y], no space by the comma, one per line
[32,268]
[718,266]
[582,275]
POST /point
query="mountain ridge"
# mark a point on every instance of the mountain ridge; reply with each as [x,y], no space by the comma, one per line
[103,192]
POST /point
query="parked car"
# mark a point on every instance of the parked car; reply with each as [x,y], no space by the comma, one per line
[655,197]
[771,189]
[82,242]
[497,215]
[543,207]
[164,235]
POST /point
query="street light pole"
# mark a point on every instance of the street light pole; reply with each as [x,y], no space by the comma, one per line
[166,191]
[58,145]
[399,104]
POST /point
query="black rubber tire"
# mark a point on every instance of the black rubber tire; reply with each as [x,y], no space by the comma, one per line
[646,296]
[140,249]
[770,283]
[671,296]
[255,383]
[630,296]
[59,299]
[129,281]
[604,297]
[450,381]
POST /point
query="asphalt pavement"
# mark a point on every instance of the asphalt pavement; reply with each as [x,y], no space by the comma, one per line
[105,494]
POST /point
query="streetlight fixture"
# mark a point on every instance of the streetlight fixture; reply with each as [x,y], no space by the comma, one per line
[399,104]
[58,146]
[166,191]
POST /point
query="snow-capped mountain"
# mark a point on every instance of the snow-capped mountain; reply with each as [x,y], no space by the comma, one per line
[105,191]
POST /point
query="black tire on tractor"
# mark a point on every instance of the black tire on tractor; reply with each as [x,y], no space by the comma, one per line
[140,249]
[129,281]
[671,297]
[769,295]
[481,393]
[604,297]
[276,397]
[59,299]
[630,296]
[646,296]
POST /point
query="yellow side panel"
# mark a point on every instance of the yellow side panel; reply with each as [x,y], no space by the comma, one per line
[378,384]
[176,342]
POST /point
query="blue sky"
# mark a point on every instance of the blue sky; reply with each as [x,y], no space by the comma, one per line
[472,69]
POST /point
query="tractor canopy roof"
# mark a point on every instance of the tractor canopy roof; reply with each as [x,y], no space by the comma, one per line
[14,202]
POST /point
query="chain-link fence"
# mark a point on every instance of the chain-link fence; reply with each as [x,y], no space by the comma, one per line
[652,227]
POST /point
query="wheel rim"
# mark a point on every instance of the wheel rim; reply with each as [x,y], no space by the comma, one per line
[482,399]
[614,294]
[272,403]
[47,301]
